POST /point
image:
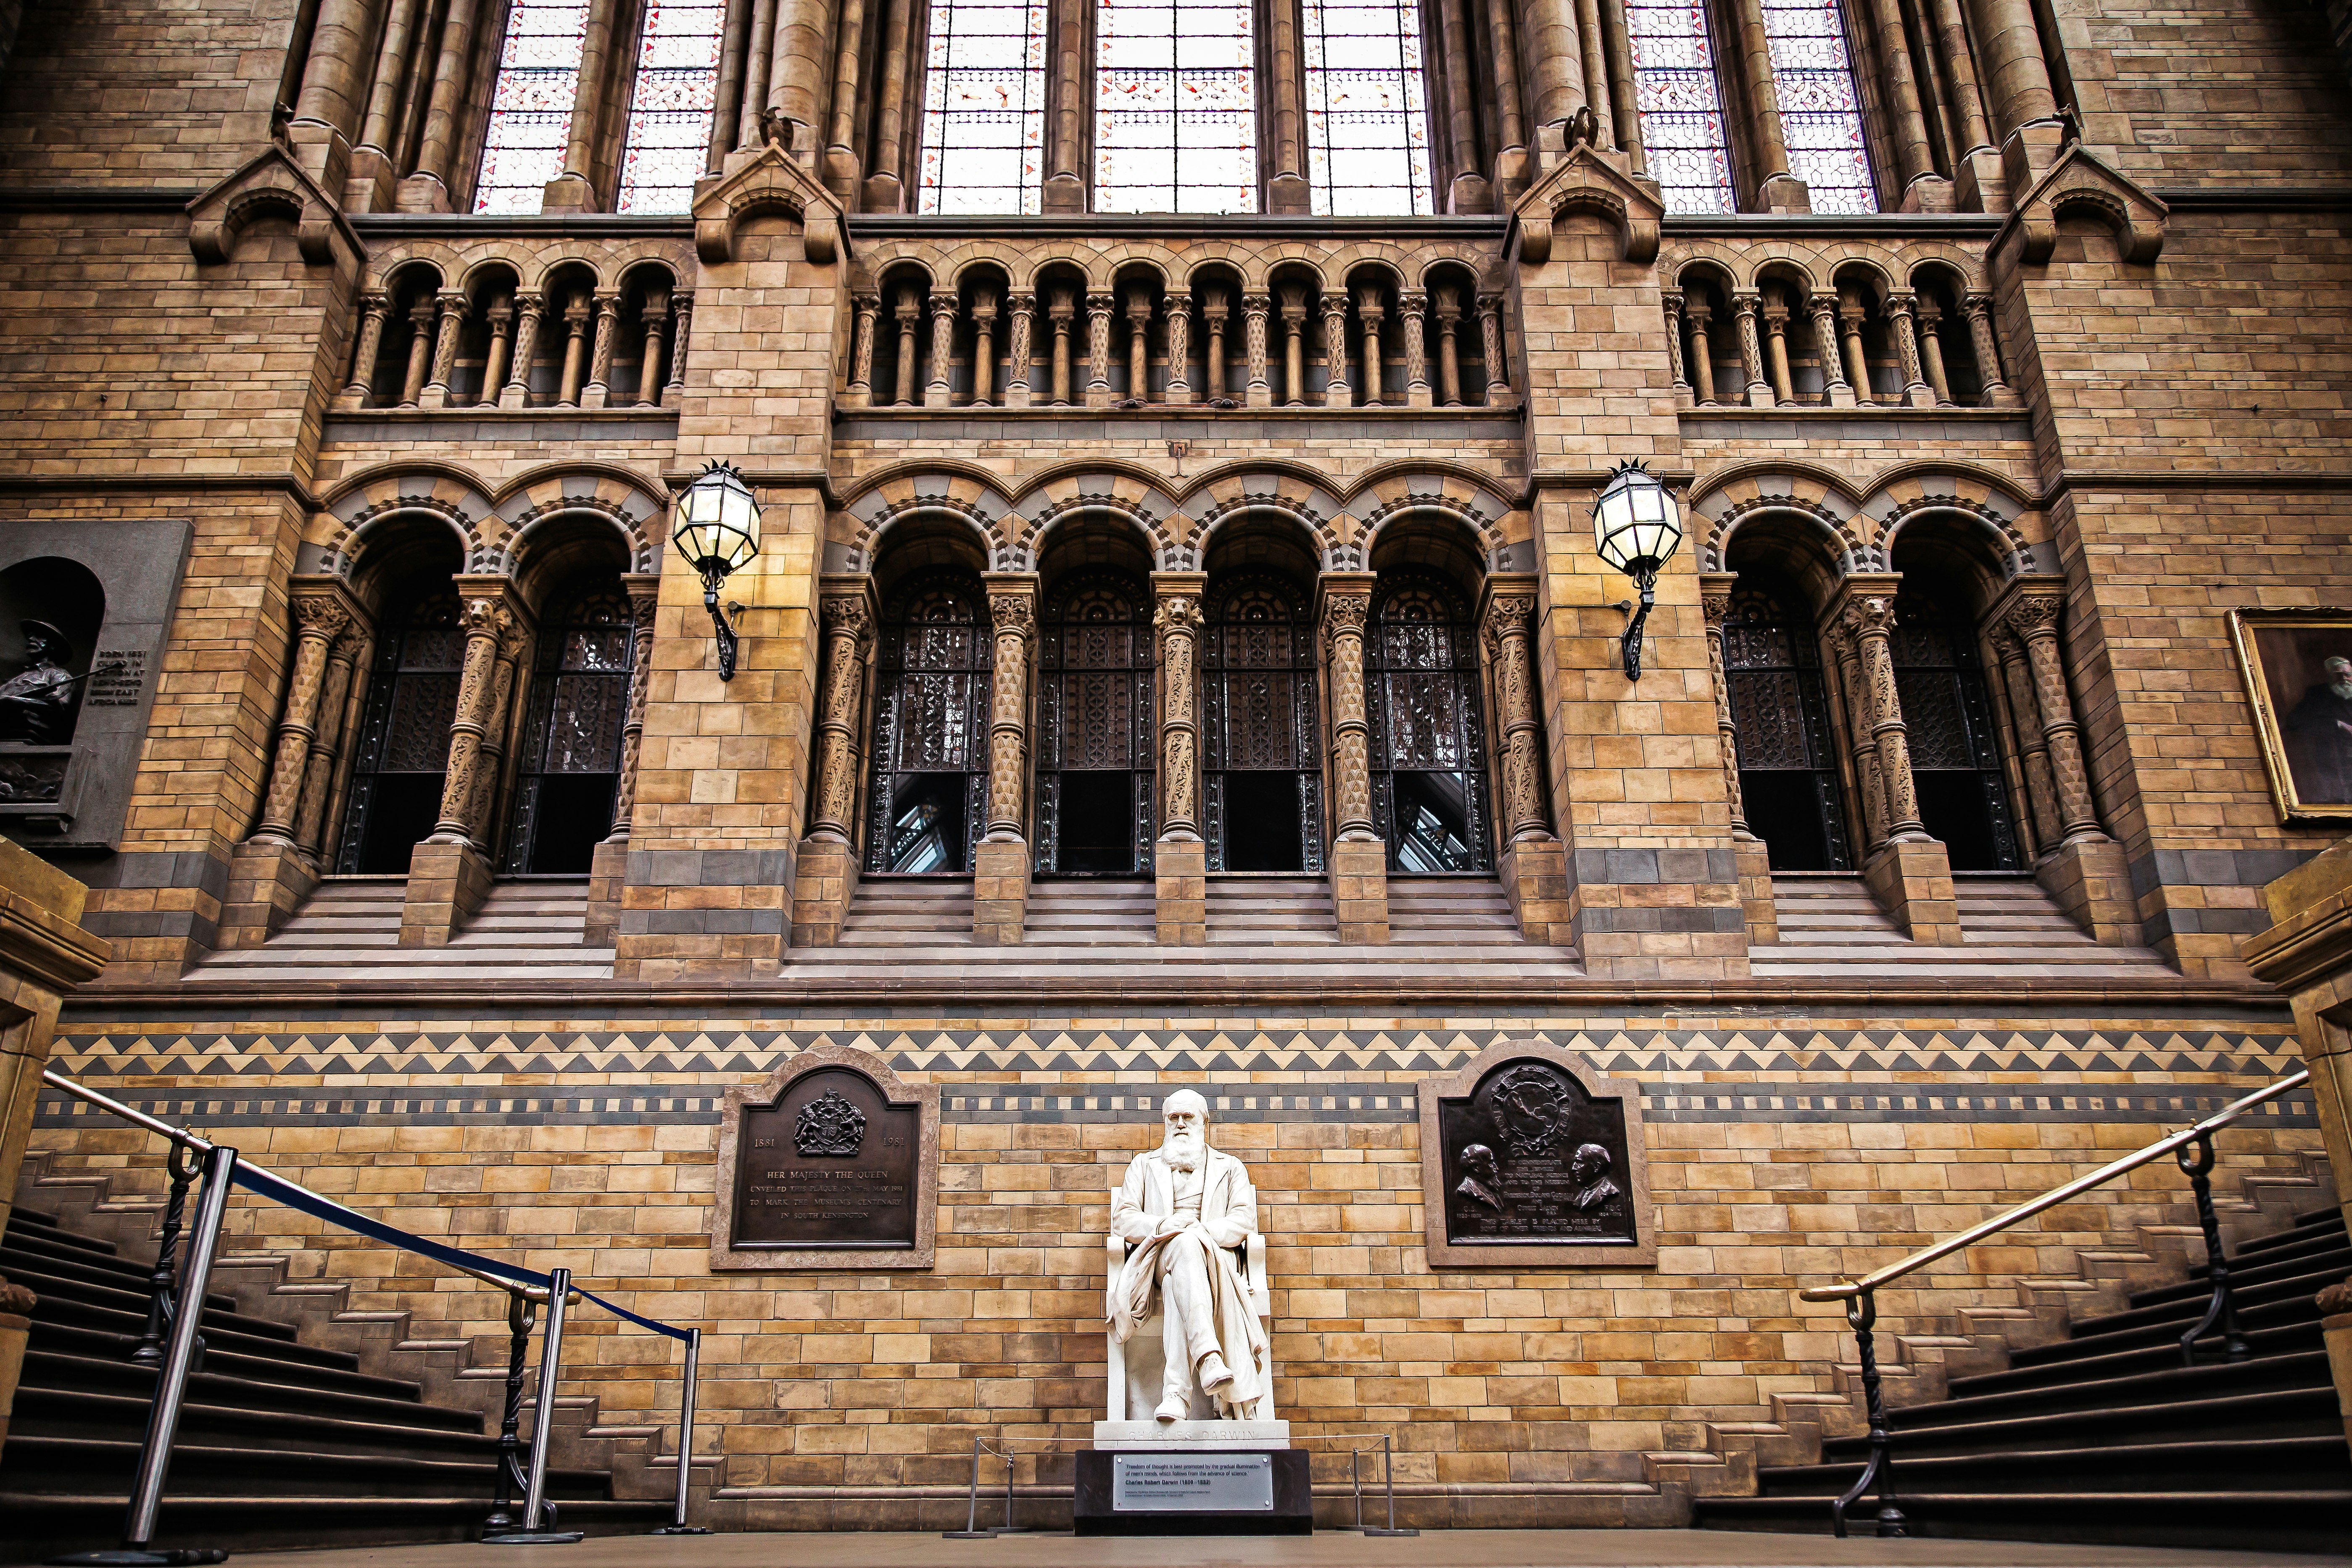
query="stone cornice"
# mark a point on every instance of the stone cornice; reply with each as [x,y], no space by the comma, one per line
[56,952]
[2305,947]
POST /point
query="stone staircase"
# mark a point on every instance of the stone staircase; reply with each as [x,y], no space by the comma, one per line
[1832,927]
[1257,911]
[283,1442]
[1091,913]
[348,929]
[2101,1435]
[1451,911]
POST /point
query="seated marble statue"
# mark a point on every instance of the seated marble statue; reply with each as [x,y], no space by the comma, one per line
[1182,1209]
[37,703]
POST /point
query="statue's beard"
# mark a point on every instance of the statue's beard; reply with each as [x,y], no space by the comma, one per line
[1181,1150]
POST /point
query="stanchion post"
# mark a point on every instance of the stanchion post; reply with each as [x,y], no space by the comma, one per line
[510,1476]
[543,1427]
[162,1284]
[171,1387]
[971,1531]
[1388,1480]
[677,1525]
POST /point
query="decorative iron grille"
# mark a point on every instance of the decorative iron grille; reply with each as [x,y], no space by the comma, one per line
[570,762]
[930,727]
[1263,779]
[1430,795]
[1095,754]
[404,740]
[1788,769]
[1955,760]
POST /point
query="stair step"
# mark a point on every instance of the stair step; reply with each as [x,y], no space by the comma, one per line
[2235,1520]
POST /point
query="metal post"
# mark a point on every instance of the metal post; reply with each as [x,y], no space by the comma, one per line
[2222,1309]
[543,1427]
[1861,1312]
[162,1284]
[171,1387]
[677,1525]
[1355,1478]
[1388,1479]
[510,1477]
[972,1530]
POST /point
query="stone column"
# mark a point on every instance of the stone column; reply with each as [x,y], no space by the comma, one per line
[657,322]
[1857,362]
[326,747]
[2034,621]
[420,353]
[1915,389]
[1022,308]
[428,190]
[1746,307]
[1862,752]
[515,393]
[1997,391]
[481,812]
[1979,186]
[1555,73]
[575,353]
[1259,394]
[643,591]
[908,314]
[598,392]
[1912,875]
[983,349]
[1776,353]
[1179,349]
[573,191]
[501,315]
[1466,191]
[2040,804]
[1702,358]
[1214,310]
[1294,347]
[1931,352]
[371,168]
[1336,391]
[373,308]
[1000,862]
[1506,628]
[940,391]
[1449,354]
[1180,860]
[1138,346]
[1753,860]
[1835,389]
[827,874]
[799,73]
[2016,80]
[1413,308]
[319,623]
[1596,69]
[1368,311]
[1924,190]
[1061,312]
[842,169]
[1070,96]
[1776,190]
[1672,301]
[1098,310]
[449,876]
[885,183]
[865,309]
[1358,857]
[681,335]
[1511,176]
[1286,192]
[334,77]
[451,303]
[755,102]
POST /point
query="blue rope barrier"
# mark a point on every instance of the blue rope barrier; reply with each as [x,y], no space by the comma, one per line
[279,1189]
[660,1328]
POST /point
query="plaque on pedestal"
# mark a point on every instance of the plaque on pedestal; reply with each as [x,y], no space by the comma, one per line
[831,1163]
[1175,1491]
[1531,1160]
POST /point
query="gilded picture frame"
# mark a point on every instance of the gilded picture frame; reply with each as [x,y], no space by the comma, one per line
[2302,717]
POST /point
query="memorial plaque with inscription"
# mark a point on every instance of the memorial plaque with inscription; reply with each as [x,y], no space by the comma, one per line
[832,1164]
[1529,1158]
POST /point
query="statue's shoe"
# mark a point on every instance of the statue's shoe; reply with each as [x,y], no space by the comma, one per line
[1215,1377]
[1172,1410]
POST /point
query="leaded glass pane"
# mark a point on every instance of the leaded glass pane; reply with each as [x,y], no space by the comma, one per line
[670,122]
[1820,109]
[1367,115]
[530,107]
[1175,107]
[983,109]
[1681,105]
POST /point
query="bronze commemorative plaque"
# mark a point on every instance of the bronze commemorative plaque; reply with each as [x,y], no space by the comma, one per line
[833,1163]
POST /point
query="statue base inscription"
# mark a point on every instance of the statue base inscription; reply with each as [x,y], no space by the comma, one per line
[1193,1492]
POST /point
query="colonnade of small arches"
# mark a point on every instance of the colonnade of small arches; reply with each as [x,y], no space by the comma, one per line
[1231,332]
[1832,329]
[521,332]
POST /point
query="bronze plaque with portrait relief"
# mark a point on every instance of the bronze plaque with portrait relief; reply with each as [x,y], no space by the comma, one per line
[1529,1158]
[833,1164]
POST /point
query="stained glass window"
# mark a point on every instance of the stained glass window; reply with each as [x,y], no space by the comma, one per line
[1175,107]
[531,108]
[1681,103]
[1820,109]
[670,122]
[1367,116]
[984,107]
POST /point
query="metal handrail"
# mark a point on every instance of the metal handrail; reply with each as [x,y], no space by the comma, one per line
[171,1338]
[1881,1278]
[2191,1148]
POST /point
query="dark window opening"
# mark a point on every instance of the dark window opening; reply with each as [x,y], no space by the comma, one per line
[1263,782]
[570,768]
[1947,720]
[403,744]
[1429,740]
[1788,773]
[1095,752]
[930,727]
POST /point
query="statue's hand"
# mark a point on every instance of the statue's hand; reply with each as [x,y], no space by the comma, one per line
[1170,1224]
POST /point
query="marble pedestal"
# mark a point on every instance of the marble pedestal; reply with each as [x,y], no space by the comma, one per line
[1201,1436]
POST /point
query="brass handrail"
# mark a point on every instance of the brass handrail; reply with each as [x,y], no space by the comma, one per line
[1848,1290]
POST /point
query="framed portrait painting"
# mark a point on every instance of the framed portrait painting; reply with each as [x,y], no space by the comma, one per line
[2298,669]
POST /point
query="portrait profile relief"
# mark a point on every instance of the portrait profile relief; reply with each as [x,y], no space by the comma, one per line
[2298,670]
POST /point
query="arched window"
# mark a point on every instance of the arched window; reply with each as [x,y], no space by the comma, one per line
[1095,764]
[1367,108]
[1429,744]
[1821,108]
[668,137]
[1175,106]
[404,744]
[570,759]
[983,107]
[1788,772]
[1963,799]
[532,104]
[1681,104]
[1262,783]
[930,727]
